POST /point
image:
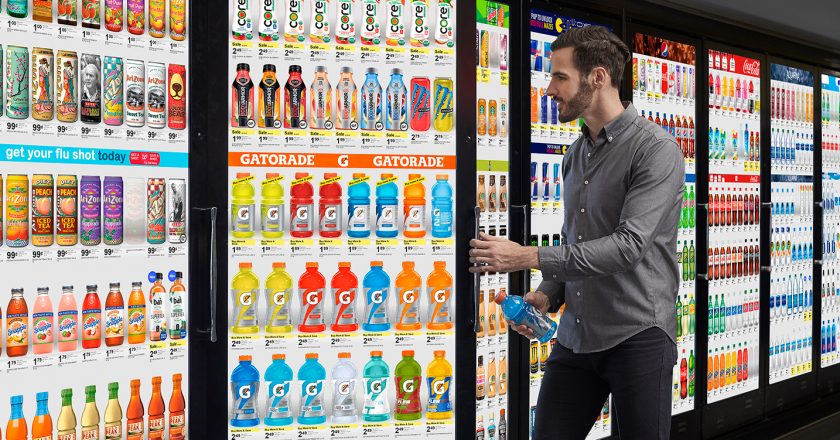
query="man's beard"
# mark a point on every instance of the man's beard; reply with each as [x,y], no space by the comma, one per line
[575,107]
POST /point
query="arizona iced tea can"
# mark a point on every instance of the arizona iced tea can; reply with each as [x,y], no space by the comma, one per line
[17,82]
[42,84]
[67,86]
[17,210]
[176,210]
[112,91]
[112,209]
[90,207]
[135,93]
[67,218]
[156,211]
[43,225]
[156,95]
[90,69]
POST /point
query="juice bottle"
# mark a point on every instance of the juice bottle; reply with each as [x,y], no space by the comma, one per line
[157,18]
[439,378]
[269,98]
[376,373]
[345,98]
[311,286]
[157,422]
[67,417]
[295,99]
[177,308]
[271,208]
[329,206]
[90,415]
[178,19]
[408,284]
[91,319]
[370,31]
[242,206]
[443,30]
[491,375]
[419,23]
[442,207]
[68,320]
[482,326]
[135,17]
[312,376]
[345,31]
[344,285]
[502,386]
[177,413]
[17,325]
[42,425]
[242,97]
[43,322]
[113,413]
[114,17]
[302,223]
[278,297]
[358,206]
[376,285]
[480,379]
[414,207]
[482,116]
[269,29]
[344,390]
[157,315]
[114,316]
[293,31]
[136,314]
[241,27]
[320,108]
[386,206]
[17,210]
[134,427]
[245,387]
[16,427]
[319,28]
[395,23]
[491,314]
[244,289]
[279,378]
[407,377]
[439,285]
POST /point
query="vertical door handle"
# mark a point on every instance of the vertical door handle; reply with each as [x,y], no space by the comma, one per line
[212,270]
[477,276]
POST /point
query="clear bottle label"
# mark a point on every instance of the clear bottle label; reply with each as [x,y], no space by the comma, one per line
[344,401]
[439,394]
[302,220]
[244,401]
[345,306]
[278,307]
[311,399]
[376,306]
[359,219]
[439,306]
[312,301]
[278,400]
[415,219]
[386,218]
[244,309]
[243,217]
[331,218]
[376,396]
[272,217]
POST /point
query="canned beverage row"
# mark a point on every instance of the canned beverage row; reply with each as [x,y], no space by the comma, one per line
[491,49]
[659,76]
[492,117]
[133,16]
[791,102]
[68,87]
[429,102]
[66,210]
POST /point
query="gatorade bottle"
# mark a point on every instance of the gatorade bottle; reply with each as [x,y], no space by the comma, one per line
[414,207]
[386,207]
[439,285]
[442,207]
[344,285]
[376,375]
[245,386]
[312,376]
[16,427]
[271,208]
[278,296]
[376,286]
[358,206]
[311,286]
[242,206]
[408,284]
[329,206]
[279,377]
[520,312]
[295,99]
[407,377]
[302,223]
[244,291]
[439,378]
[344,390]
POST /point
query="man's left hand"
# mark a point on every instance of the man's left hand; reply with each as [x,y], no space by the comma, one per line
[496,254]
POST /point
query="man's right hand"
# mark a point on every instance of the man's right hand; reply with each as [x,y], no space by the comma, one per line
[540,301]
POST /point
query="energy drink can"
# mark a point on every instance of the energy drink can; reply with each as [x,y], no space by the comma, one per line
[156,95]
[43,224]
[345,97]
[42,77]
[90,69]
[134,210]
[135,93]
[534,356]
[155,210]
[421,111]
[90,207]
[176,200]
[67,217]
[17,82]
[177,101]
[396,114]
[112,208]
[444,116]
[67,86]
[543,355]
[112,91]
[371,101]
[17,210]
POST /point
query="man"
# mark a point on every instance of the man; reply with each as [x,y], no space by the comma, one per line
[616,267]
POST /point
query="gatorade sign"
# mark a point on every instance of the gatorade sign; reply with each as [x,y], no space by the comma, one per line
[279,390]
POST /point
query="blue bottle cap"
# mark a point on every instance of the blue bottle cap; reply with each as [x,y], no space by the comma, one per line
[43,395]
[17,400]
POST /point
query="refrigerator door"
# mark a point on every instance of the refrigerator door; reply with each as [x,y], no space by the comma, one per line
[830,306]
[95,250]
[341,253]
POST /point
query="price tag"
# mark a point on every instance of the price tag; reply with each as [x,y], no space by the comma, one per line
[177,47]
[280,341]
[342,339]
[395,55]
[504,78]
[67,33]
[358,246]
[408,429]
[278,432]
[177,348]
[444,57]
[242,342]
[91,36]
[176,250]
[68,358]
[242,247]
[155,136]
[300,246]
[13,256]
[402,338]
[272,246]
[135,351]
[16,25]
[155,251]
[43,361]
[386,245]
[18,364]
[158,350]
[344,431]
[375,339]
[90,132]
[294,51]
[115,39]
[44,254]
[438,337]
[311,432]
[442,246]
[137,42]
[157,45]
[295,137]
[176,137]
[440,428]
[310,340]
[370,54]
[93,356]
[414,245]
[113,353]
[17,127]
[329,246]
[443,139]
[482,75]
[67,130]
[270,136]
[319,52]
[245,434]
[345,53]
[377,430]
[43,129]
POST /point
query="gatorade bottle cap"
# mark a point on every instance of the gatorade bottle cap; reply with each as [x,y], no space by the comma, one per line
[312,355]
[440,264]
[344,264]
[408,265]
[300,175]
[245,358]
[330,175]
[176,377]
[441,176]
[243,66]
[344,355]
[278,265]
[246,265]
[242,175]
[358,175]
[43,395]
[413,176]
[312,265]
[376,353]
[440,353]
[271,175]
[278,356]
[17,400]
[375,264]
[408,353]
[500,296]
[387,176]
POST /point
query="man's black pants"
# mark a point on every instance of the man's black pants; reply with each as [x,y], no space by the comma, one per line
[637,372]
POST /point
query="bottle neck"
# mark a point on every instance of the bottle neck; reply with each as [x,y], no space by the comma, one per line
[42,408]
[90,398]
[17,412]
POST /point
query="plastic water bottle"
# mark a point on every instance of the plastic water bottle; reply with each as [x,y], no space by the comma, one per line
[344,390]
[245,385]
[279,377]
[442,207]
[521,313]
[376,285]
[312,376]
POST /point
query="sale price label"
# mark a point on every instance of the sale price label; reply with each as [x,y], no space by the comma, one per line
[18,364]
[114,353]
[93,356]
[242,342]
[44,361]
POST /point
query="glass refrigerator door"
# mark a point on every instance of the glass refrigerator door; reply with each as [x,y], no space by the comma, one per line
[672,106]
[830,117]
[549,140]
[94,181]
[734,214]
[792,222]
[492,154]
[341,188]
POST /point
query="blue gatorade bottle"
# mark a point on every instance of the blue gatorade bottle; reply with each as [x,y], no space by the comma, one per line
[442,207]
[279,378]
[376,286]
[386,207]
[358,207]
[312,376]
[245,385]
[520,312]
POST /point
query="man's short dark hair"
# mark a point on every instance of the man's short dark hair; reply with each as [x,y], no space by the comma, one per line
[595,46]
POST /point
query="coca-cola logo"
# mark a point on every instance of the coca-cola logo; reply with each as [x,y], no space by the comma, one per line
[752,67]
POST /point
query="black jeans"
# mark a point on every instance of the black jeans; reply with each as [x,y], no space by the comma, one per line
[637,372]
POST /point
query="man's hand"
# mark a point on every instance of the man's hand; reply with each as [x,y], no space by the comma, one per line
[496,254]
[540,301]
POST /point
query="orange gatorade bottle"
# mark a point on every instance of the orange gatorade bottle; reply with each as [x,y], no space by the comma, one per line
[439,286]
[414,208]
[408,284]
